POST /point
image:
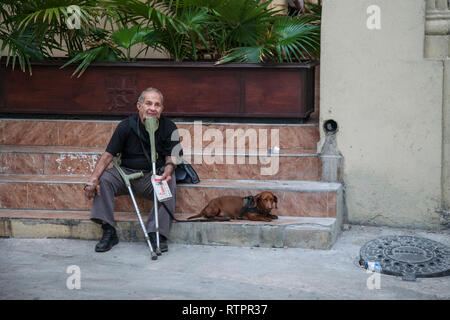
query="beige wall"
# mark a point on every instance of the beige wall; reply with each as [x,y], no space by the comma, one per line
[388,103]
[437,47]
[446,137]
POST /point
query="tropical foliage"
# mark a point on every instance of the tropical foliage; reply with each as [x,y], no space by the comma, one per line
[107,30]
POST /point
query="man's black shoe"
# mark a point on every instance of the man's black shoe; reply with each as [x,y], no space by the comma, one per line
[162,242]
[108,240]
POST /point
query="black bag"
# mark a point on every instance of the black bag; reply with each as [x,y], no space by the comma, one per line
[186,174]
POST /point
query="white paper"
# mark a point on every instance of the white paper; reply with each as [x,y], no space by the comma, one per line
[161,188]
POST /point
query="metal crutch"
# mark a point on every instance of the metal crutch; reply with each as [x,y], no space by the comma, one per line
[126,178]
[151,125]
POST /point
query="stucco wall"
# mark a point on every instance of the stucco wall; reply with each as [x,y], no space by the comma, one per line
[446,137]
[388,103]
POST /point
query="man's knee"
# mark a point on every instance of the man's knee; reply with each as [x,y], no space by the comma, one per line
[109,181]
[107,177]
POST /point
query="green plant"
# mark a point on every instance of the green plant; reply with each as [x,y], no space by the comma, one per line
[110,50]
[221,30]
[181,40]
[286,39]
[235,23]
[34,29]
[175,28]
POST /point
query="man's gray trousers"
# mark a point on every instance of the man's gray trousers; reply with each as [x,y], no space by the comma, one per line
[112,185]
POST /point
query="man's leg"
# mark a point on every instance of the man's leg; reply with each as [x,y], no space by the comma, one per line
[102,211]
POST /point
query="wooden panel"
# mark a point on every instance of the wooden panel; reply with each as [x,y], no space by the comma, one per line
[307,93]
[193,90]
[272,92]
[2,88]
[50,90]
[189,89]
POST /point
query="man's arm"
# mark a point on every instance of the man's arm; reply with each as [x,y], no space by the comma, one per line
[93,184]
[169,169]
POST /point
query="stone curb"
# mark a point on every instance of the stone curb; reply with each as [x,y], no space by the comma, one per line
[296,235]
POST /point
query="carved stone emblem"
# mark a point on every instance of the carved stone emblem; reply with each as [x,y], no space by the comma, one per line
[121,91]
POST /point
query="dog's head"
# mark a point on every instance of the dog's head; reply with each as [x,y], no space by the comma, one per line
[265,201]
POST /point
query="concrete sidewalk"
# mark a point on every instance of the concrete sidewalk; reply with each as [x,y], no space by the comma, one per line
[35,269]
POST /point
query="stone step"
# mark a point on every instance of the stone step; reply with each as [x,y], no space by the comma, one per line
[57,160]
[195,135]
[291,232]
[295,198]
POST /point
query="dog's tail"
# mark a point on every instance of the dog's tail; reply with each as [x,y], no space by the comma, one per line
[201,214]
[196,216]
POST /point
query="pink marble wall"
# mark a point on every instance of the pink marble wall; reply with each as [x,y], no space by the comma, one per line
[21,163]
[68,196]
[91,134]
[288,168]
[56,133]
[30,133]
[303,137]
[88,134]
[300,204]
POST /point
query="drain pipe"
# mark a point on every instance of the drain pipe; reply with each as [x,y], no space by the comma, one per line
[329,154]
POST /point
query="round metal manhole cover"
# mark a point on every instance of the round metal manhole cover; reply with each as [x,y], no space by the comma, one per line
[406,256]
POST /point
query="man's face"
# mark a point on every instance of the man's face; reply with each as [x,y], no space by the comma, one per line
[151,106]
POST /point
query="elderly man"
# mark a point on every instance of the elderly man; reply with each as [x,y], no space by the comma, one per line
[129,139]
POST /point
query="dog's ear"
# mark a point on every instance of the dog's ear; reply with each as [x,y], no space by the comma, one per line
[275,199]
[257,199]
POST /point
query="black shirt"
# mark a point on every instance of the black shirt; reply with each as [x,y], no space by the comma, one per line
[125,140]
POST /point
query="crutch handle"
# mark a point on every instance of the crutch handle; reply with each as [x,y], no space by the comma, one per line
[151,125]
[126,177]
[136,175]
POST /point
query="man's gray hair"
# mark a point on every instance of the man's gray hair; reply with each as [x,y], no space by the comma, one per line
[141,97]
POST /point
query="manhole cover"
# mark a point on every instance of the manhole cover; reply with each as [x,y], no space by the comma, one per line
[406,256]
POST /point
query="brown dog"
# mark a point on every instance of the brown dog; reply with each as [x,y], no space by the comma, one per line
[231,207]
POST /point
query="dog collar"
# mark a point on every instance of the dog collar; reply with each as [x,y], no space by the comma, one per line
[248,205]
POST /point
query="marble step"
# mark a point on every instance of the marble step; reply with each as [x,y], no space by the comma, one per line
[195,135]
[295,198]
[61,160]
[286,232]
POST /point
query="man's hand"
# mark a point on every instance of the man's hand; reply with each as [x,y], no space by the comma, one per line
[92,188]
[168,171]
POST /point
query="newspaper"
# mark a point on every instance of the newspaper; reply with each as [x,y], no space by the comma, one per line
[161,188]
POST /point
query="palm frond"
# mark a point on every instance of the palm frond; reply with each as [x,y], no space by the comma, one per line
[139,12]
[297,38]
[245,54]
[104,52]
[187,33]
[128,37]
[245,21]
[21,46]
